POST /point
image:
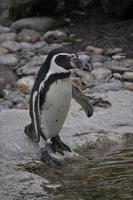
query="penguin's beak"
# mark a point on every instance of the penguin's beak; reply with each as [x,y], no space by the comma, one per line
[78,63]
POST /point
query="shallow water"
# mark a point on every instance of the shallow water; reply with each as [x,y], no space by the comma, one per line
[96,174]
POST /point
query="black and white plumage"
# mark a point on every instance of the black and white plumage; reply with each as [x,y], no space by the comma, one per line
[50,99]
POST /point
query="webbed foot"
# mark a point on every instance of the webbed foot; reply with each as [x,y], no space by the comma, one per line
[59,146]
[46,158]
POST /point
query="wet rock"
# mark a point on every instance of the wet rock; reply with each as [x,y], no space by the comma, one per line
[8,59]
[11,46]
[128,76]
[4,37]
[4,29]
[7,77]
[101,74]
[55,36]
[94,50]
[111,52]
[27,35]
[3,51]
[32,67]
[40,24]
[25,84]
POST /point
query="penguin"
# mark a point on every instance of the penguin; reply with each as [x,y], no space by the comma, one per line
[50,101]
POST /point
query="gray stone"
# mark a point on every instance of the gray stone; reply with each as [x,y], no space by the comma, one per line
[40,24]
[98,58]
[55,36]
[25,84]
[32,67]
[46,50]
[111,52]
[96,65]
[128,86]
[118,57]
[128,76]
[27,35]
[11,46]
[8,59]
[4,37]
[26,45]
[117,76]
[3,51]
[7,77]
[4,29]
[94,50]
[101,74]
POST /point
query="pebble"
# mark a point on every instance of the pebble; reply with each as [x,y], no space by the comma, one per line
[117,76]
[96,65]
[94,50]
[4,29]
[101,74]
[111,52]
[25,84]
[26,45]
[128,76]
[8,59]
[55,36]
[98,58]
[32,67]
[3,51]
[128,86]
[11,46]
[40,24]
[27,35]
[4,37]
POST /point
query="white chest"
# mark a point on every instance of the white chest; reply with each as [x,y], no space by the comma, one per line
[56,107]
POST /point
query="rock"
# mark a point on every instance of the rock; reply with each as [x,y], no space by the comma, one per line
[117,69]
[7,77]
[26,45]
[40,24]
[3,51]
[101,74]
[110,86]
[46,50]
[5,104]
[11,46]
[25,84]
[94,50]
[111,52]
[8,59]
[4,37]
[85,59]
[128,76]
[14,96]
[27,35]
[32,67]
[118,57]
[98,58]
[117,76]
[128,86]
[55,36]
[96,65]
[4,29]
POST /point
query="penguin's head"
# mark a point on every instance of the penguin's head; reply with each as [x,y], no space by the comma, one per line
[63,58]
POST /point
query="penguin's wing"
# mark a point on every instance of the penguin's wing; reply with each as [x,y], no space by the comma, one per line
[35,116]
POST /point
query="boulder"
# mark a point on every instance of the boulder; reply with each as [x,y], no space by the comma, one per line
[40,24]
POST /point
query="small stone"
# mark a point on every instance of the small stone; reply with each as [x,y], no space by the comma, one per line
[7,77]
[12,46]
[46,50]
[118,57]
[4,37]
[94,50]
[27,35]
[3,51]
[55,36]
[128,76]
[40,24]
[32,67]
[26,45]
[4,29]
[8,59]
[117,76]
[101,74]
[25,84]
[98,58]
[128,86]
[111,52]
[97,65]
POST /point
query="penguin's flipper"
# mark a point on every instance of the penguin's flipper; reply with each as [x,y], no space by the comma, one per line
[35,130]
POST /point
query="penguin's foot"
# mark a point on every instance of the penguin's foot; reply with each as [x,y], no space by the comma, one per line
[46,158]
[59,146]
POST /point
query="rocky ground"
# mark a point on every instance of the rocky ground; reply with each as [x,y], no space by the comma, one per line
[108,83]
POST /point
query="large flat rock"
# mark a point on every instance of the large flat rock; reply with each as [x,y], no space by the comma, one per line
[110,126]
